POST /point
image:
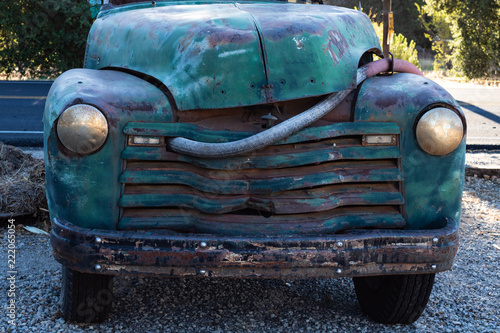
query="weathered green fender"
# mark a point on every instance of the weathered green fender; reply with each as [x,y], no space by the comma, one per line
[227,54]
[85,189]
[432,185]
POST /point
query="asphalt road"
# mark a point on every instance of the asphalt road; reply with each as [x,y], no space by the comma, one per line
[481,105]
[22,104]
[21,110]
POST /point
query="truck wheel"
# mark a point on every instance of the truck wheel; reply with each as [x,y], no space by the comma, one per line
[86,297]
[394,299]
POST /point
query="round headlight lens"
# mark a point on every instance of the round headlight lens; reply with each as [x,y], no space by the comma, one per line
[82,129]
[439,131]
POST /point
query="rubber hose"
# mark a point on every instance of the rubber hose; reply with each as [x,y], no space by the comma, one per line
[289,126]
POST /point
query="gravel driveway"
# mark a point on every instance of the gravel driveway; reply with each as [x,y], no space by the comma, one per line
[464,299]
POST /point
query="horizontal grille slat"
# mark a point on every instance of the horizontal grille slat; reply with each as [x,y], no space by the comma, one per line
[260,181]
[275,157]
[184,220]
[197,133]
[290,202]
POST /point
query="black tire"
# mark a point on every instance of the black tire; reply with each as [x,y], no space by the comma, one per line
[394,299]
[85,297]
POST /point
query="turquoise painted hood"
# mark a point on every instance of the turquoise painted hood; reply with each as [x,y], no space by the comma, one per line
[219,55]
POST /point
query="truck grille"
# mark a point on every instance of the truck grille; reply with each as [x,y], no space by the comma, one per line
[321,180]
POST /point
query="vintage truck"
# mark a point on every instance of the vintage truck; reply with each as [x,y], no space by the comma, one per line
[251,139]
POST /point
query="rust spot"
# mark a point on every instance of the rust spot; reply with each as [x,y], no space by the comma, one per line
[387,101]
[186,40]
[336,41]
[395,251]
[222,36]
[277,29]
[216,86]
[133,106]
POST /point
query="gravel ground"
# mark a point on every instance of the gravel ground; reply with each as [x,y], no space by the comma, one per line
[464,299]
[483,159]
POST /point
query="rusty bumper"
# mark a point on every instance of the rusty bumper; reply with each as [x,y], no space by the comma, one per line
[160,253]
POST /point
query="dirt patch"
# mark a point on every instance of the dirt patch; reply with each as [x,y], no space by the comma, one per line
[22,183]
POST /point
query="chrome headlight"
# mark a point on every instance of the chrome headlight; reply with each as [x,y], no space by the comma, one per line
[439,131]
[82,129]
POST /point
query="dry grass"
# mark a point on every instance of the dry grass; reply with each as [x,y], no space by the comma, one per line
[22,182]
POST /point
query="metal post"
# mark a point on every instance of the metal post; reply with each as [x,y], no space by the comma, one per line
[385,42]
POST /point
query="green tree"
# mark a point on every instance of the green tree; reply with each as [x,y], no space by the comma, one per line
[474,49]
[42,37]
[400,47]
[406,16]
[438,26]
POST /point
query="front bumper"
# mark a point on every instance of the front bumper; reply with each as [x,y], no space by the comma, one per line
[160,253]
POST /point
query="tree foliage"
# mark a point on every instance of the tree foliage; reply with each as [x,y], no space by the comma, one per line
[464,34]
[406,16]
[401,48]
[42,37]
[474,47]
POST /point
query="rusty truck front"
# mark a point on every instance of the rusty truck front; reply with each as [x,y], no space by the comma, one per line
[250,139]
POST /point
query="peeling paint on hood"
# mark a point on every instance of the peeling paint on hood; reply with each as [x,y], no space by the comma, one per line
[234,54]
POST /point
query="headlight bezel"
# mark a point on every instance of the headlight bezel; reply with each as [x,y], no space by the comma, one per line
[426,111]
[77,138]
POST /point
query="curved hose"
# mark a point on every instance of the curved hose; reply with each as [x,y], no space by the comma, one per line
[289,126]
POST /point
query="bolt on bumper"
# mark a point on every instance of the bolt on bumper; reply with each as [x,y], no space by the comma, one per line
[162,253]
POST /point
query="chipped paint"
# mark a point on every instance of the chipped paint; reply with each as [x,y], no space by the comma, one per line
[194,48]
[433,184]
[70,177]
[277,212]
[268,257]
[232,53]
[299,42]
